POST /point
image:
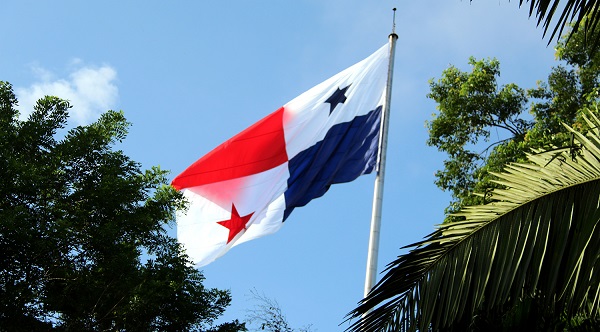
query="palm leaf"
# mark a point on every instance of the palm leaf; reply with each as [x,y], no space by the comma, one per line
[538,238]
[573,11]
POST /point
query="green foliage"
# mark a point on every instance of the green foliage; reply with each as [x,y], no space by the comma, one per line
[482,125]
[82,232]
[527,261]
[575,11]
[470,105]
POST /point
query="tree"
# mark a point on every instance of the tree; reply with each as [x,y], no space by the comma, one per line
[472,105]
[529,260]
[267,315]
[82,232]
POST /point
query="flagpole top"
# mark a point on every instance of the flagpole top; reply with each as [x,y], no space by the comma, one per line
[394,24]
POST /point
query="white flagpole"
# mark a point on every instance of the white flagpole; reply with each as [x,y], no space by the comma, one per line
[373,253]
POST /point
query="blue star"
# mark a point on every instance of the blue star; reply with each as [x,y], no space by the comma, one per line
[339,96]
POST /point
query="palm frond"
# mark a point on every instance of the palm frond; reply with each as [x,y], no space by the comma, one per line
[573,11]
[540,238]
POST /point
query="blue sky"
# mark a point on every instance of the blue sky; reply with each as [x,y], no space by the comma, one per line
[191,74]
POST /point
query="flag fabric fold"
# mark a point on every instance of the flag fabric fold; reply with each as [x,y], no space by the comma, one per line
[248,186]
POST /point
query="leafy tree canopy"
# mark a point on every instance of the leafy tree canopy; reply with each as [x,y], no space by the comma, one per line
[527,258]
[82,233]
[473,108]
[527,261]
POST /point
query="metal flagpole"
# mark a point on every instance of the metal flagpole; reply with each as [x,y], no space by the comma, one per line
[373,253]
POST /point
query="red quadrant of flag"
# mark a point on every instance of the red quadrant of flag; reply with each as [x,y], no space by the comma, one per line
[254,150]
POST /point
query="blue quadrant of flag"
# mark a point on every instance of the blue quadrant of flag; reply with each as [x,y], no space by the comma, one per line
[341,157]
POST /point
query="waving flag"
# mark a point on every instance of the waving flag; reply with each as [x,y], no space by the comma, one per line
[248,186]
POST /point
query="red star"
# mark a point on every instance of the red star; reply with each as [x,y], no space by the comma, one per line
[236,224]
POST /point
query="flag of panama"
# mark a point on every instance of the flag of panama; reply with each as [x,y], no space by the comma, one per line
[248,186]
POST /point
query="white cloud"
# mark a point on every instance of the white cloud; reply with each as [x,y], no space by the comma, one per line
[90,90]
